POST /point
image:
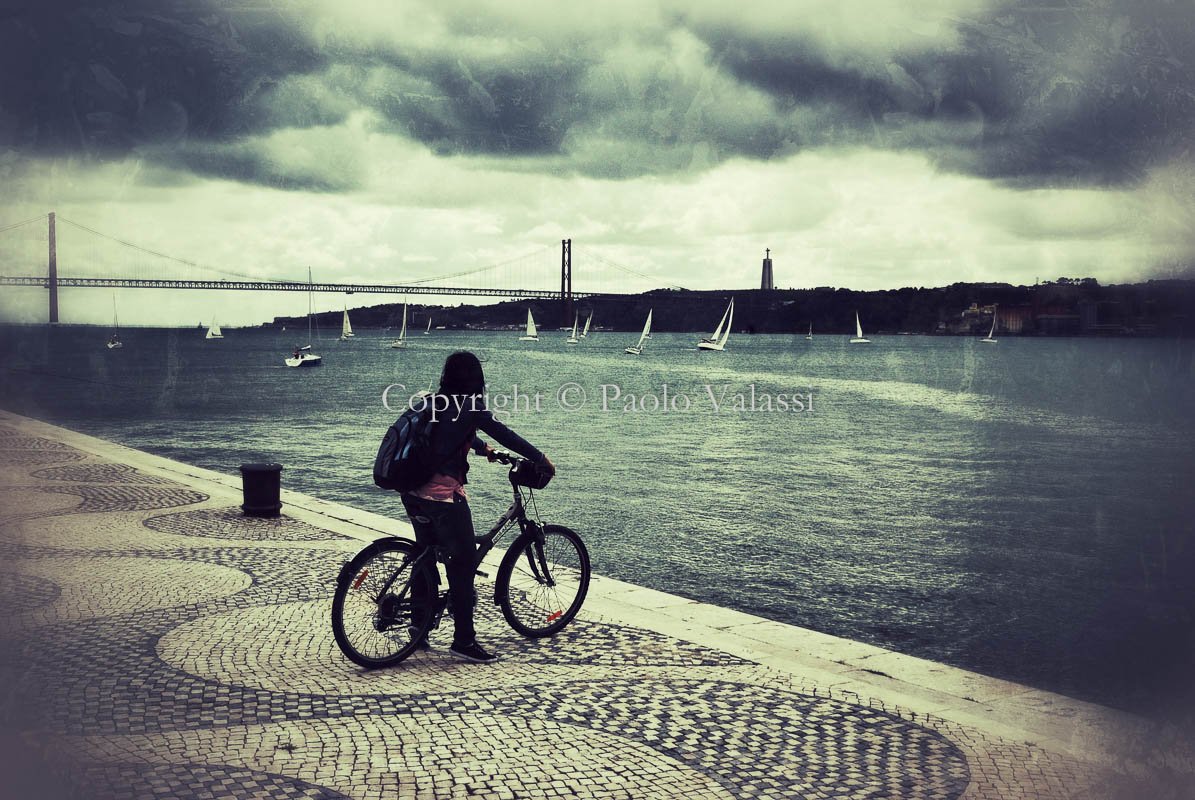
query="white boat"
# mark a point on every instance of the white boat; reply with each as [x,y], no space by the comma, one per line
[530,335]
[643,337]
[429,327]
[303,357]
[572,339]
[114,340]
[214,332]
[401,342]
[809,335]
[588,320]
[859,332]
[346,329]
[989,338]
[721,333]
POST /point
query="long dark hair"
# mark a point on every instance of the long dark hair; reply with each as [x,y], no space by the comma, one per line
[462,375]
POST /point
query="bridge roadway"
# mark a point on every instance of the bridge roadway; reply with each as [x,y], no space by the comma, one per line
[292,286]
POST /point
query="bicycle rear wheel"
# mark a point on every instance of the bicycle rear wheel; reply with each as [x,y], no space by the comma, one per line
[383,605]
[542,582]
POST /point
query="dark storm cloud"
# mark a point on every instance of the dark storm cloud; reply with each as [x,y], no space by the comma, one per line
[75,78]
[1096,91]
[456,103]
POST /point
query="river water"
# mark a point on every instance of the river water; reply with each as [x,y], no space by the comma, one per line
[1022,509]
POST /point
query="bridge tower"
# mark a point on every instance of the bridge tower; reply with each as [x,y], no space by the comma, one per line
[566,279]
[53,281]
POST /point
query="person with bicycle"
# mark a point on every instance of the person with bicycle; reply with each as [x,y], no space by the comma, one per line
[439,509]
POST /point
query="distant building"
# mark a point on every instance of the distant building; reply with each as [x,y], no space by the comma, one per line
[1014,320]
[767,282]
[1101,317]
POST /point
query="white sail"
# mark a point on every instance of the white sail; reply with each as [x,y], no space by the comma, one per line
[346,328]
[401,341]
[429,326]
[859,332]
[572,339]
[810,334]
[213,332]
[530,335]
[637,348]
[721,333]
[991,337]
[646,330]
[588,320]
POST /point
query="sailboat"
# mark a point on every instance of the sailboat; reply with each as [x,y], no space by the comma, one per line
[718,340]
[643,337]
[303,357]
[989,338]
[530,335]
[588,320]
[213,332]
[346,329]
[809,335]
[429,326]
[859,332]
[572,339]
[401,342]
[114,341]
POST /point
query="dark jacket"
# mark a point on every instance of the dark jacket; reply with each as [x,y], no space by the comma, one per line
[455,431]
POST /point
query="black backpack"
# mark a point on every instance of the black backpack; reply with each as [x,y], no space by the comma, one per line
[404,461]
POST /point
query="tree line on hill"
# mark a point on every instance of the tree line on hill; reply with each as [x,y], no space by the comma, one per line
[1158,306]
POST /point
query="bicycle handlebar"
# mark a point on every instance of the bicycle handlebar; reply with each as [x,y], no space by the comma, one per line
[504,457]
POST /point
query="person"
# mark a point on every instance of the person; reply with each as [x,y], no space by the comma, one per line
[439,509]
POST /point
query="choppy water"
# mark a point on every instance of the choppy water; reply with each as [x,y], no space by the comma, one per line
[1023,510]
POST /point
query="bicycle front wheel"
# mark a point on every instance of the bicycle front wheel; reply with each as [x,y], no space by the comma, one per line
[383,605]
[543,580]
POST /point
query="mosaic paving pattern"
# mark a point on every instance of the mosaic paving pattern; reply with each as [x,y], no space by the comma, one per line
[20,593]
[231,523]
[139,782]
[35,458]
[98,473]
[186,667]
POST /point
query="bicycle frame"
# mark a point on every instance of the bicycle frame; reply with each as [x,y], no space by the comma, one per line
[517,511]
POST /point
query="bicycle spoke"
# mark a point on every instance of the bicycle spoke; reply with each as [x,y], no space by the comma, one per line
[374,614]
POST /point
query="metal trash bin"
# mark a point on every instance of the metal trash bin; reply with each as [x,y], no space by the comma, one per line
[261,485]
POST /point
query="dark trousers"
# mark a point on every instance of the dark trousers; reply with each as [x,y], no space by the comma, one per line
[449,526]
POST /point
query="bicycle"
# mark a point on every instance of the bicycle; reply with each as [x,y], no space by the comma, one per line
[388,598]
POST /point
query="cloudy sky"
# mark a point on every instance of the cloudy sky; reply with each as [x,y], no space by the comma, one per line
[869,143]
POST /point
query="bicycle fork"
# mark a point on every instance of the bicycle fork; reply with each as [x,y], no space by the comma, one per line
[536,561]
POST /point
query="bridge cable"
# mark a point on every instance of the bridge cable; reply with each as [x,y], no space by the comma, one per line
[173,258]
[630,271]
[26,222]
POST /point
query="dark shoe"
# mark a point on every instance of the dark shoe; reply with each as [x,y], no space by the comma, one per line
[422,644]
[472,652]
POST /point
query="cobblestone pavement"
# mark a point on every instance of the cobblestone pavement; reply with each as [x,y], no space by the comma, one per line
[155,643]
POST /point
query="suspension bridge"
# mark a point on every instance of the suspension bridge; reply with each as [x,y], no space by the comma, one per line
[42,256]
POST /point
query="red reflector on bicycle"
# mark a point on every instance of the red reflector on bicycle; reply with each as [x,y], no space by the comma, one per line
[360,578]
[556,616]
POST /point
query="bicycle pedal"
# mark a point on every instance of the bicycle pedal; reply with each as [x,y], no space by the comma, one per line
[482,574]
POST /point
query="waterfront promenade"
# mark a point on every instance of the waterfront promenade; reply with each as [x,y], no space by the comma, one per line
[156,643]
